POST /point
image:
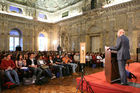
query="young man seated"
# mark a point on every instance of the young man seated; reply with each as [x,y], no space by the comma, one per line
[67,60]
[42,64]
[8,66]
[55,67]
[32,64]
[59,62]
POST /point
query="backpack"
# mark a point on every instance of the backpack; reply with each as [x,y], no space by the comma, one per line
[9,85]
[130,75]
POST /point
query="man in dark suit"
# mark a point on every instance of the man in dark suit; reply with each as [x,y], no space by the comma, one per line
[123,54]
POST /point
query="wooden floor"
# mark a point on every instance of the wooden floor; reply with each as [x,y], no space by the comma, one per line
[58,85]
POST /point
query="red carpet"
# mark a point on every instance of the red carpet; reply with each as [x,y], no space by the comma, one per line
[135,69]
[99,85]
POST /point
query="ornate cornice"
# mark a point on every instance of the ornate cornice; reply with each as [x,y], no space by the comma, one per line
[105,12]
[124,7]
[9,18]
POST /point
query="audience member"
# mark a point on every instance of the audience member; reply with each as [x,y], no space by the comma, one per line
[21,66]
[32,64]
[67,60]
[8,66]
[42,64]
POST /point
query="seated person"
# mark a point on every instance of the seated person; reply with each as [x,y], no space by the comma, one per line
[67,60]
[58,62]
[25,56]
[76,58]
[21,65]
[54,66]
[32,65]
[41,63]
[91,60]
[99,60]
[94,58]
[8,66]
[98,57]
[87,59]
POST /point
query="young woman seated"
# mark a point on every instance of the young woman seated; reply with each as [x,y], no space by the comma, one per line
[21,66]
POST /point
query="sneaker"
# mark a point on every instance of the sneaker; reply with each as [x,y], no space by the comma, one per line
[53,77]
[18,83]
[33,81]
[125,84]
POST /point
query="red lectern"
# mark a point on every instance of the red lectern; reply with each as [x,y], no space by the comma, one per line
[111,66]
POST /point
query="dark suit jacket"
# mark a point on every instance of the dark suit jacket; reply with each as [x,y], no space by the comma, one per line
[122,48]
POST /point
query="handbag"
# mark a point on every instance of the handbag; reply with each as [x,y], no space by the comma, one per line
[44,67]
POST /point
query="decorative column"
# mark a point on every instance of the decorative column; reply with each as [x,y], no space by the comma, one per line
[130,33]
[6,36]
[2,41]
[36,42]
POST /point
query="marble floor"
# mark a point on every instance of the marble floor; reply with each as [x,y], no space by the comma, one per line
[58,85]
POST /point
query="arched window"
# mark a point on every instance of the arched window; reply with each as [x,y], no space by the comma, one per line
[15,9]
[42,42]
[42,16]
[15,39]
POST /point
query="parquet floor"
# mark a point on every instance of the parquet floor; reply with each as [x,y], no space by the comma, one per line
[58,85]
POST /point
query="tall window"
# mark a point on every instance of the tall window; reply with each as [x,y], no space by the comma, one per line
[15,39]
[42,42]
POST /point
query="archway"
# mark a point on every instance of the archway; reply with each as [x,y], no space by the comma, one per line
[42,42]
[15,39]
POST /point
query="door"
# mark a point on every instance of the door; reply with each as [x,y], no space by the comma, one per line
[95,46]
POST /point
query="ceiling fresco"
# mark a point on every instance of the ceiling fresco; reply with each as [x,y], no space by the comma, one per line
[48,5]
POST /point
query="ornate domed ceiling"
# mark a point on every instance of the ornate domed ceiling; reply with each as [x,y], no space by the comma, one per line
[48,5]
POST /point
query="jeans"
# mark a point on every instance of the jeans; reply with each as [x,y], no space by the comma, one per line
[74,66]
[36,71]
[13,72]
[60,69]
[67,68]
[48,72]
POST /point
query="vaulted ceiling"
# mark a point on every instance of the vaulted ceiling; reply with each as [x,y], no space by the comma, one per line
[48,5]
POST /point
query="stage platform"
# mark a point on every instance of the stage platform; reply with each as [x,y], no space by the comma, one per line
[99,85]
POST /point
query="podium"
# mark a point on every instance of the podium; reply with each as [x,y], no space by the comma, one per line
[111,66]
